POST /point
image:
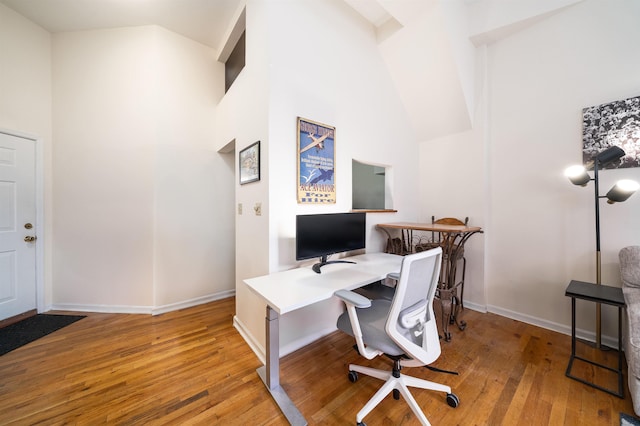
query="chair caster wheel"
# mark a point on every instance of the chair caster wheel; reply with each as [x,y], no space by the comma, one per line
[462,325]
[452,400]
[353,377]
[361,424]
[396,394]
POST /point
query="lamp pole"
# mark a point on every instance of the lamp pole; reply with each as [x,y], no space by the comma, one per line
[622,190]
[598,259]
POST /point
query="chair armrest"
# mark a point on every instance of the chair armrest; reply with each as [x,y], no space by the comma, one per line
[393,276]
[352,298]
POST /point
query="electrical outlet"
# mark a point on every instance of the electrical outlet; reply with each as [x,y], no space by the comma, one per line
[239,208]
[258,209]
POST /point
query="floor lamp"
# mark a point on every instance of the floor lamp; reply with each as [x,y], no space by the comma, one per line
[622,190]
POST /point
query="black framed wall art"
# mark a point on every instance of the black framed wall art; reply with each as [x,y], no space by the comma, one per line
[249,163]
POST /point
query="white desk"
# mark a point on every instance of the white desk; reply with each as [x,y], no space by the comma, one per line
[289,290]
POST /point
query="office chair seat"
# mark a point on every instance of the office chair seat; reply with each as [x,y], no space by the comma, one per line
[372,322]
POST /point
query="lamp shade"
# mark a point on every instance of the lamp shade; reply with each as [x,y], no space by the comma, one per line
[577,175]
[610,154]
[622,190]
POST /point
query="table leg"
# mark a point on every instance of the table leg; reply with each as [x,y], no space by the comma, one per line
[573,337]
[619,371]
[456,311]
[446,305]
[270,372]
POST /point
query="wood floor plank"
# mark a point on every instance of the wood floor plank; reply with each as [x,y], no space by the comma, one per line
[192,367]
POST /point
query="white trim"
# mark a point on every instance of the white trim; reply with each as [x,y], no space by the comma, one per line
[132,309]
[304,341]
[253,343]
[192,302]
[39,202]
[40,228]
[475,307]
[291,347]
[553,326]
[106,309]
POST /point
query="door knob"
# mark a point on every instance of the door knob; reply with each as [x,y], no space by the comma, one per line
[29,239]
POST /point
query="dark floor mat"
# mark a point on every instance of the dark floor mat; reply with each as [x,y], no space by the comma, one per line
[26,331]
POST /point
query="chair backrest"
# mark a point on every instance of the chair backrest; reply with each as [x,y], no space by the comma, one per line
[411,322]
[446,221]
[449,221]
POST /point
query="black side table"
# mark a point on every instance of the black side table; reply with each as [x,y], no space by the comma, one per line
[600,294]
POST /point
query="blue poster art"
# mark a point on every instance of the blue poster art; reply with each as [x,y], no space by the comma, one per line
[316,163]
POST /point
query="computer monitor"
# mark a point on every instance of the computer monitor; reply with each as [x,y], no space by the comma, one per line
[321,235]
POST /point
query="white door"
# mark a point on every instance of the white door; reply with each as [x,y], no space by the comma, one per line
[17,226]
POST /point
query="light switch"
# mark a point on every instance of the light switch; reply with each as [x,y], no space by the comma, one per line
[258,209]
[239,208]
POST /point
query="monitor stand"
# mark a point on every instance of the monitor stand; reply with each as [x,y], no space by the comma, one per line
[324,261]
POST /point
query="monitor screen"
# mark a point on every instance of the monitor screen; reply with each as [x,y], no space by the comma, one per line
[320,235]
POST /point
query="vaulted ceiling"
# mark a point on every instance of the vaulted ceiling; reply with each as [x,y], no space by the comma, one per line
[429,46]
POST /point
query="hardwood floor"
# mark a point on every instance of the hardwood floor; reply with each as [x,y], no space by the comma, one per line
[192,367]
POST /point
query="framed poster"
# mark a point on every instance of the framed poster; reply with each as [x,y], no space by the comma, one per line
[249,166]
[316,163]
[616,123]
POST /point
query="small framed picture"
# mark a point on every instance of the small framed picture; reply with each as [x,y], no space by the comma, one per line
[249,163]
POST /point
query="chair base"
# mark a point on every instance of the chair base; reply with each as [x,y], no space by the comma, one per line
[400,383]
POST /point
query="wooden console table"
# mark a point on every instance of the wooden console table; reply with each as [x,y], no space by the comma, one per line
[452,240]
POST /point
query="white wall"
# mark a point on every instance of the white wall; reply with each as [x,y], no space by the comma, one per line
[242,115]
[138,216]
[452,182]
[316,75]
[194,184]
[25,104]
[105,114]
[539,229]
[542,227]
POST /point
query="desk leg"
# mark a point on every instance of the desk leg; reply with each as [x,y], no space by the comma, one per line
[270,373]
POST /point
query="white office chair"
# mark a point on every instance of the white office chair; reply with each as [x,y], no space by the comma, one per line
[404,329]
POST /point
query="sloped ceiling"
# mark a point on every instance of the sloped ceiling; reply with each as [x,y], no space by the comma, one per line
[205,21]
[429,46]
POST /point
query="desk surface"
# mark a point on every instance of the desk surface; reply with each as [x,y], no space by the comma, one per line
[435,227]
[286,291]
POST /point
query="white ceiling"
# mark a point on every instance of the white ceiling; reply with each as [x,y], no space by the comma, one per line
[205,21]
[426,62]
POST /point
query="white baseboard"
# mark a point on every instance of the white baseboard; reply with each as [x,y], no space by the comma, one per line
[475,307]
[305,340]
[103,309]
[132,309]
[553,326]
[291,347]
[253,343]
[193,302]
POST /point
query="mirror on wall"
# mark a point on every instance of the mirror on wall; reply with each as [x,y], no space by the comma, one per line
[369,182]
